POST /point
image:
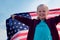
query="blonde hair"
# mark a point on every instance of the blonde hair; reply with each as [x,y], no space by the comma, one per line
[42,5]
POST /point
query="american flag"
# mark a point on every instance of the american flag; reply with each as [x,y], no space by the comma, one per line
[18,31]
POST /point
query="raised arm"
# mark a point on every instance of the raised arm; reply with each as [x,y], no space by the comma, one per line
[23,20]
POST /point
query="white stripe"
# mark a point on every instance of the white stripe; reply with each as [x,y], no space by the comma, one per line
[21,37]
[58,26]
[23,31]
[52,15]
[59,32]
[34,17]
[54,11]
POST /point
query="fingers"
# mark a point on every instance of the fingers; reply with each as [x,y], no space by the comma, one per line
[13,16]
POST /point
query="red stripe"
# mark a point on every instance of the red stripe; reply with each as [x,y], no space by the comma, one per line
[56,9]
[33,14]
[20,34]
[58,29]
[53,12]
[59,23]
[24,39]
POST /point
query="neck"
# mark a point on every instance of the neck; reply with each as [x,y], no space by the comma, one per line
[42,18]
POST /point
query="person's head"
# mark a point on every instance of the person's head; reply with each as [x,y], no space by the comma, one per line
[42,11]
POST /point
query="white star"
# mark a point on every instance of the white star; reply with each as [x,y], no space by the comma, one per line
[18,29]
[9,33]
[13,27]
[16,26]
[25,28]
[20,26]
[14,30]
[23,24]
[27,15]
[11,23]
[19,23]
[14,22]
[10,28]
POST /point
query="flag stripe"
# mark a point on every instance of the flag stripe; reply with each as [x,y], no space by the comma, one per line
[20,35]
[24,39]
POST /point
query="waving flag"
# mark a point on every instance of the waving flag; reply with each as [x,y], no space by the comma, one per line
[18,31]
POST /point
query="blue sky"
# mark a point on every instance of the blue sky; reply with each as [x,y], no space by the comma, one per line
[9,7]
